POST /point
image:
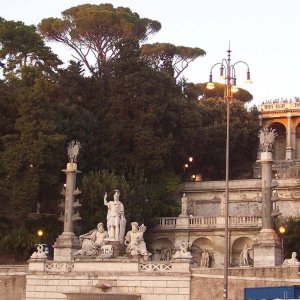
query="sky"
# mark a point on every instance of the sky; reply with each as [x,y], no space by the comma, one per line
[263,33]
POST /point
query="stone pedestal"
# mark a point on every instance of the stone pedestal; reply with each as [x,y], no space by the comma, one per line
[118,248]
[65,246]
[267,249]
[288,153]
[183,221]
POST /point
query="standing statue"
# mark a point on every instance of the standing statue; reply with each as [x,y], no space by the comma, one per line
[245,256]
[184,205]
[205,259]
[165,253]
[134,240]
[92,242]
[267,138]
[116,221]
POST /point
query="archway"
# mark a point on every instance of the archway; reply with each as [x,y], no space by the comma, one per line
[159,246]
[237,248]
[297,131]
[198,246]
[280,141]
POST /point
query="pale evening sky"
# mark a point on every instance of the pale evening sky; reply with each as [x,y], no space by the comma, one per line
[264,33]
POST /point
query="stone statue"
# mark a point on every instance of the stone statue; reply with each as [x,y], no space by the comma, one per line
[134,240]
[166,253]
[205,259]
[116,221]
[184,205]
[293,261]
[73,151]
[92,242]
[40,253]
[245,256]
[267,138]
[183,252]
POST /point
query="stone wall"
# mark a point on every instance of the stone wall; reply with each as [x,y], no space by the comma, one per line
[149,280]
[150,283]
[208,284]
[13,282]
[204,198]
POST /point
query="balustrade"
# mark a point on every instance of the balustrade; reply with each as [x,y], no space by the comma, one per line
[210,222]
[279,106]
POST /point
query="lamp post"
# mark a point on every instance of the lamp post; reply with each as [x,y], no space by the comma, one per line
[282,230]
[40,234]
[227,74]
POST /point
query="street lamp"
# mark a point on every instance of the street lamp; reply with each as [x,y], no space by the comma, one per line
[40,234]
[227,74]
[282,230]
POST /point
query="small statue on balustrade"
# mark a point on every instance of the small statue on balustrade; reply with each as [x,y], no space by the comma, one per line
[40,253]
[183,252]
[184,205]
[293,261]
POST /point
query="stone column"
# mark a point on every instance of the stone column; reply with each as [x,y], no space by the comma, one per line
[267,246]
[67,243]
[266,176]
[288,150]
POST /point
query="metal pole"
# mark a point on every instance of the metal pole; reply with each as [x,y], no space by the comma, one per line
[282,253]
[227,97]
[230,75]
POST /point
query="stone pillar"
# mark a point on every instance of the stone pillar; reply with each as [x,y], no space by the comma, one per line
[288,150]
[67,243]
[266,175]
[267,246]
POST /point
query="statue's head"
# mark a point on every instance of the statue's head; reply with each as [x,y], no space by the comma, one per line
[117,195]
[134,226]
[294,254]
[100,227]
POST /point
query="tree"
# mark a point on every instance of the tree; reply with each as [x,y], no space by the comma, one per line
[143,199]
[30,161]
[170,58]
[291,236]
[17,243]
[94,30]
[147,122]
[244,126]
[21,45]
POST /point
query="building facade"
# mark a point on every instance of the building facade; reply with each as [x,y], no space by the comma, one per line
[203,226]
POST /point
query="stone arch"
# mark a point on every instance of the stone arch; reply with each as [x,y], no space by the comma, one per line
[158,245]
[198,247]
[279,146]
[237,248]
[297,137]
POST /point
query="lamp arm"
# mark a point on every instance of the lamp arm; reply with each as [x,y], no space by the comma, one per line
[241,61]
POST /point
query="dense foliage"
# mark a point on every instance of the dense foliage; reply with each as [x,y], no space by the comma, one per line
[136,123]
[291,236]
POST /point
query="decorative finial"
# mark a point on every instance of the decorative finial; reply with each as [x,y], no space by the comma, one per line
[73,151]
[267,138]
